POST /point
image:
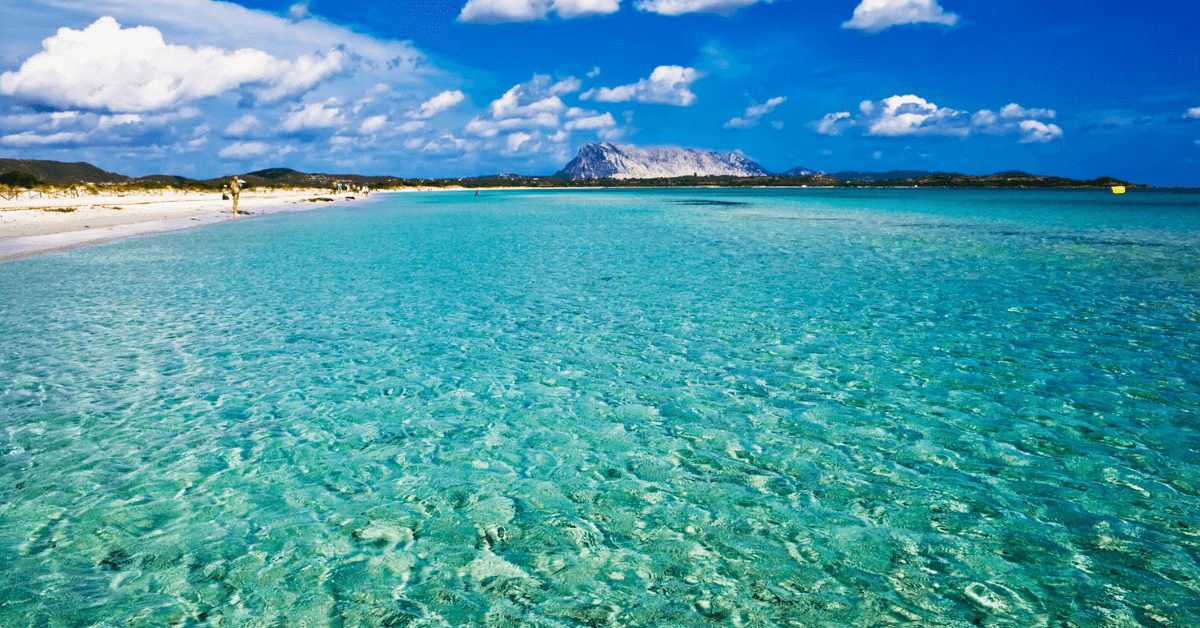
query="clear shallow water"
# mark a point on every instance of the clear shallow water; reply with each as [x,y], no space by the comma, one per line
[681,408]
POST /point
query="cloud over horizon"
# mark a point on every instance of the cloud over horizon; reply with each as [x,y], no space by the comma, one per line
[667,85]
[911,115]
[749,119]
[443,102]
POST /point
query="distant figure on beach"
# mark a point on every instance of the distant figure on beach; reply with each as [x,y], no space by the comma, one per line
[235,190]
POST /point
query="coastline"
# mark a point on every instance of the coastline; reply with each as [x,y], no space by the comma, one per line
[31,227]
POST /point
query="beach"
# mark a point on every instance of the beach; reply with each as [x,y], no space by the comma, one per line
[29,226]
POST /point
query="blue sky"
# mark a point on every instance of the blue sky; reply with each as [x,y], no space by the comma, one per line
[466,87]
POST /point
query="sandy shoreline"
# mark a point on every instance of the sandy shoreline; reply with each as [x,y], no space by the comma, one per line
[41,225]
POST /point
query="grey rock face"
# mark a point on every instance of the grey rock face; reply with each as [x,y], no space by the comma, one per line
[605,160]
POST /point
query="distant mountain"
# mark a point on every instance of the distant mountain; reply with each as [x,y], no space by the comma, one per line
[893,175]
[60,172]
[612,161]
[799,171]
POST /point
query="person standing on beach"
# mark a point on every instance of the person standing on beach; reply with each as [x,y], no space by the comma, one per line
[235,189]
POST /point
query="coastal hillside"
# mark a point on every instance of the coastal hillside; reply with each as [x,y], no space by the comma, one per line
[62,172]
[613,161]
[870,177]
[278,177]
[31,172]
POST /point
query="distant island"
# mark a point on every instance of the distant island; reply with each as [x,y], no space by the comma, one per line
[600,165]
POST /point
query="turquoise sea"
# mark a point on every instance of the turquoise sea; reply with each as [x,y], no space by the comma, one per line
[772,408]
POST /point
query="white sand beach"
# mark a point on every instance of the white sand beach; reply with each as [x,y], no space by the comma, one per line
[29,226]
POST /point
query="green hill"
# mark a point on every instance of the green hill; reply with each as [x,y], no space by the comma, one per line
[61,172]
[18,179]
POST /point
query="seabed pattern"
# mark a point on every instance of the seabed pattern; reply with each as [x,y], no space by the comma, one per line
[768,408]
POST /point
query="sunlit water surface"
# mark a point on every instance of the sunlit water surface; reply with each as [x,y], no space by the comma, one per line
[796,408]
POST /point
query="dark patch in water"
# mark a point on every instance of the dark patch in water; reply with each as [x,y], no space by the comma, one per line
[116,560]
[703,202]
[1074,239]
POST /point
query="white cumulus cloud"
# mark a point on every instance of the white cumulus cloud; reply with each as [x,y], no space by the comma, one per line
[65,129]
[312,116]
[242,150]
[442,102]
[526,106]
[243,126]
[373,124]
[911,115]
[1194,112]
[754,112]
[514,141]
[833,123]
[667,85]
[1034,131]
[873,16]
[298,12]
[591,123]
[680,7]
[132,70]
[501,11]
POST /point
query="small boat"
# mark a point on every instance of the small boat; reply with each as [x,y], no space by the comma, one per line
[1118,189]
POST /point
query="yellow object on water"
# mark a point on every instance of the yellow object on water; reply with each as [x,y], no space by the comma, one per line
[1118,189]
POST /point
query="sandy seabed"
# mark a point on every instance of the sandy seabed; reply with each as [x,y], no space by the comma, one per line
[29,226]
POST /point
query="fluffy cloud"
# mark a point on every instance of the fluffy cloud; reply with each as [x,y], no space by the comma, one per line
[66,129]
[529,119]
[312,116]
[298,12]
[514,141]
[526,106]
[442,102]
[680,7]
[1034,131]
[243,126]
[754,112]
[243,150]
[591,123]
[447,144]
[873,16]
[667,85]
[910,115]
[901,116]
[833,123]
[1194,112]
[373,124]
[135,70]
[500,11]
